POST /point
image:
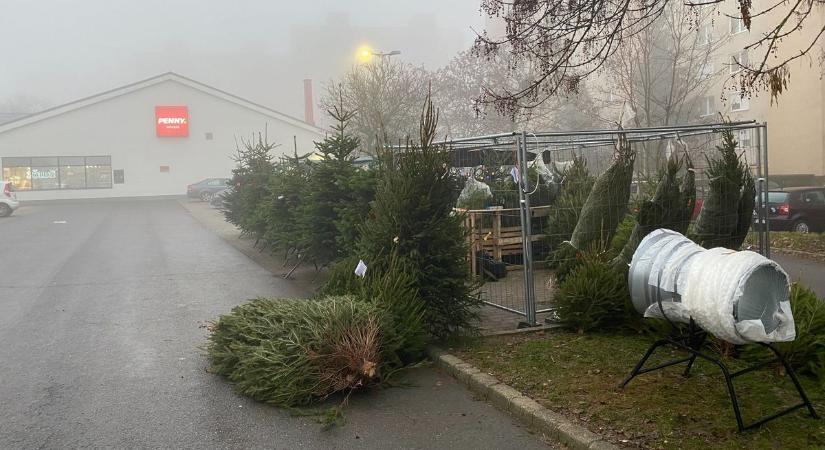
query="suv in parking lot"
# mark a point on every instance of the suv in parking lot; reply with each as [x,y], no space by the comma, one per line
[8,199]
[207,188]
[799,209]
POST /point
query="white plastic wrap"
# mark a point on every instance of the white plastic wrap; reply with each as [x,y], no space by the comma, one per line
[740,297]
[471,186]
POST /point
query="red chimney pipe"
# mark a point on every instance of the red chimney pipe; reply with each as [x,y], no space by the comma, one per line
[309,115]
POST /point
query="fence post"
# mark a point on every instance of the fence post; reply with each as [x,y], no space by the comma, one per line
[761,217]
[526,239]
[767,189]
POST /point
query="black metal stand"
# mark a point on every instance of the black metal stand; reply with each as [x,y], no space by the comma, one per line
[692,342]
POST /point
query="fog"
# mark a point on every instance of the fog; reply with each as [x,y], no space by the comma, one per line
[59,50]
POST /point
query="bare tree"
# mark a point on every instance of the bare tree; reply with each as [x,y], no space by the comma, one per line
[456,89]
[658,74]
[458,85]
[566,41]
[386,95]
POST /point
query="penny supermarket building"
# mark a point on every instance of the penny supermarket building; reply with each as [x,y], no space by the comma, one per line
[149,138]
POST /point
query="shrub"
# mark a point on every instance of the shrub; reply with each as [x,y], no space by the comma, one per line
[334,195]
[293,352]
[670,206]
[623,233]
[575,188]
[412,218]
[393,289]
[593,295]
[607,202]
[341,278]
[727,210]
[360,185]
[279,210]
[250,178]
[564,259]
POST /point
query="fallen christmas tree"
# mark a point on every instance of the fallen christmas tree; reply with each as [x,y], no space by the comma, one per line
[290,352]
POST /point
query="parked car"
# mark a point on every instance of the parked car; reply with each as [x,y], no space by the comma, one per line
[799,209]
[217,198]
[206,189]
[8,199]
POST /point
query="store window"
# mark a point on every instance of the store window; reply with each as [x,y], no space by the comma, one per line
[18,171]
[98,172]
[73,173]
[50,173]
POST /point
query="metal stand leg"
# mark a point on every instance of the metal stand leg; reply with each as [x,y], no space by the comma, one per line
[692,343]
[792,375]
[638,369]
[699,344]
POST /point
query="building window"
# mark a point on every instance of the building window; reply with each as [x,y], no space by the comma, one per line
[73,173]
[706,71]
[51,173]
[744,139]
[98,172]
[20,177]
[708,105]
[737,25]
[705,34]
[738,102]
[738,60]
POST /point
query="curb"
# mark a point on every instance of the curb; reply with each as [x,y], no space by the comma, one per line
[523,408]
[799,253]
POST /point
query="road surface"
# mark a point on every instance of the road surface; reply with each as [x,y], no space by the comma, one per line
[102,309]
[808,272]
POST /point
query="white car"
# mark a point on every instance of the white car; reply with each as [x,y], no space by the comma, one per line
[8,199]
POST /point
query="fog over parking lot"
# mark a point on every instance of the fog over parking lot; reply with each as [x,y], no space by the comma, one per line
[57,51]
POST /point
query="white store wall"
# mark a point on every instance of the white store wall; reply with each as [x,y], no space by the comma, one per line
[123,126]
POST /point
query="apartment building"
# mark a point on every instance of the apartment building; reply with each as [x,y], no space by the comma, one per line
[796,119]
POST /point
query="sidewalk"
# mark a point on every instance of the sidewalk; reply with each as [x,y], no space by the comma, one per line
[434,411]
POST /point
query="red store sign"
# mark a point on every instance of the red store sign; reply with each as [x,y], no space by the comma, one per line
[172,121]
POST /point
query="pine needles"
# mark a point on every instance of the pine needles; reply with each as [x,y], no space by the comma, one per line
[727,211]
[607,203]
[293,352]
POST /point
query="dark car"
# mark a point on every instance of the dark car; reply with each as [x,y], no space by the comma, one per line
[799,209]
[206,189]
[218,198]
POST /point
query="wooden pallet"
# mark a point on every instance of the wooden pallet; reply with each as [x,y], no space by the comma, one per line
[486,233]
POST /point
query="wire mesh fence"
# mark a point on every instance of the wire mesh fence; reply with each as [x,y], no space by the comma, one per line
[525,194]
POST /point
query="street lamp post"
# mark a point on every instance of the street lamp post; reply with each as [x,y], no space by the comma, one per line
[366,53]
[386,55]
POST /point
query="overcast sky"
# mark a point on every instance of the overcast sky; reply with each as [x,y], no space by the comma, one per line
[60,50]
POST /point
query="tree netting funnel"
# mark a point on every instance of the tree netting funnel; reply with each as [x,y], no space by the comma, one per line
[739,297]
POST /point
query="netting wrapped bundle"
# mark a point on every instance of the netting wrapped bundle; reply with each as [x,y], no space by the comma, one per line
[606,205]
[739,297]
[474,195]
